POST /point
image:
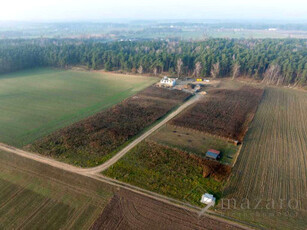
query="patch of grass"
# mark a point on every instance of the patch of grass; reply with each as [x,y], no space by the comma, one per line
[34,103]
[195,142]
[34,195]
[166,171]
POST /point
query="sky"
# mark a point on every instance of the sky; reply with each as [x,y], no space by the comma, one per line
[99,10]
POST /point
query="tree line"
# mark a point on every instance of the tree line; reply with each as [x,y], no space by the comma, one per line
[275,61]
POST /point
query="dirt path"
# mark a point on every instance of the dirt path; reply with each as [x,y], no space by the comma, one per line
[104,166]
[121,153]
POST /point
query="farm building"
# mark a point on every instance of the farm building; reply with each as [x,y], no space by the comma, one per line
[213,154]
[207,198]
[166,81]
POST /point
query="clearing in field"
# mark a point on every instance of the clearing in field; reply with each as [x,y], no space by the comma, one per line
[37,102]
[94,140]
[272,165]
[195,142]
[38,196]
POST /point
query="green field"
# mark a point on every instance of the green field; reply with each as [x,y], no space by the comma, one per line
[164,170]
[272,165]
[195,142]
[34,103]
[38,196]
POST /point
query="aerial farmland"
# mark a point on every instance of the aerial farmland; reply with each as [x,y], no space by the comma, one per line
[152,125]
[172,162]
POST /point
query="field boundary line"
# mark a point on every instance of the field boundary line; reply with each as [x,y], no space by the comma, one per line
[40,158]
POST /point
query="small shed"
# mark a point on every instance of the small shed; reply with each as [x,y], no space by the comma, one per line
[213,154]
[207,198]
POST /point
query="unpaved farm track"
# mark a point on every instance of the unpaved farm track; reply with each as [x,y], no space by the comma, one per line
[110,162]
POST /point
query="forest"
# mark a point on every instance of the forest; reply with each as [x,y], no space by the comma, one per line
[274,61]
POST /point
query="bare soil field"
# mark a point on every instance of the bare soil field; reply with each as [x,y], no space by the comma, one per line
[38,196]
[272,165]
[91,142]
[128,210]
[224,113]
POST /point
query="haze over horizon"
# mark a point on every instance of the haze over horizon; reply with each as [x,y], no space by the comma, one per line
[95,10]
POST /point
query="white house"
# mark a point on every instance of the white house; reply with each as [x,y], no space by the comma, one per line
[207,198]
[166,81]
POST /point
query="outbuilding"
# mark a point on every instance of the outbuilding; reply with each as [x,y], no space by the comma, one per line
[213,154]
[207,199]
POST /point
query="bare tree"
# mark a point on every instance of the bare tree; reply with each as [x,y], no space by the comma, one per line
[179,66]
[235,70]
[215,70]
[140,69]
[272,75]
[197,69]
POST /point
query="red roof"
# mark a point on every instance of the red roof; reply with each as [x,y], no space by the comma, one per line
[214,151]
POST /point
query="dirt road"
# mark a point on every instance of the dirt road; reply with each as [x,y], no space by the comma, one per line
[121,153]
[110,162]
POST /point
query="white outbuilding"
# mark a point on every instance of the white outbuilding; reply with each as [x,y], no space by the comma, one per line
[207,199]
[167,81]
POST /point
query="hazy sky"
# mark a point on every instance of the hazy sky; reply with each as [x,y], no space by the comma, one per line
[152,9]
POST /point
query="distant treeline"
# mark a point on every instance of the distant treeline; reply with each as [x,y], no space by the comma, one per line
[276,61]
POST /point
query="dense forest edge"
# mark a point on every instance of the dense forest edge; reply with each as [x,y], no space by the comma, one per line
[272,61]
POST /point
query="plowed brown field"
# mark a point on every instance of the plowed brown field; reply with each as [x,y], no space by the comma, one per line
[128,210]
[272,165]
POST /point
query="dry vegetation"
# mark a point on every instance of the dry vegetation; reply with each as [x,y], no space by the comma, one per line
[225,113]
[91,141]
[272,163]
[128,210]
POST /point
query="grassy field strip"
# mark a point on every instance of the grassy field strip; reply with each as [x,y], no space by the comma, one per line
[273,161]
[195,142]
[36,102]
